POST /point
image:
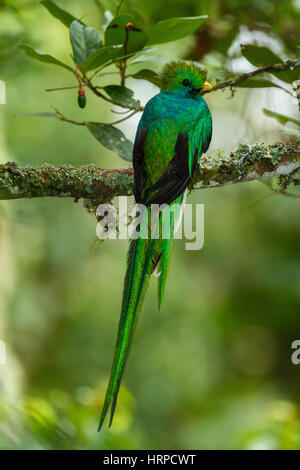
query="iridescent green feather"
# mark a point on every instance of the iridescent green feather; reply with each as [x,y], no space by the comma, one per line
[169,114]
[174,72]
[170,217]
[139,268]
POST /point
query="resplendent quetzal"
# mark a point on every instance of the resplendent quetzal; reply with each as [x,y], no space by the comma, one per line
[174,131]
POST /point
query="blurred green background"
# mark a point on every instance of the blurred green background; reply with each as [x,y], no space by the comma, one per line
[212,369]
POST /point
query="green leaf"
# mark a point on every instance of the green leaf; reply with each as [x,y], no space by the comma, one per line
[102,56]
[112,138]
[58,13]
[122,95]
[258,83]
[172,29]
[42,57]
[115,34]
[261,56]
[147,74]
[280,117]
[85,41]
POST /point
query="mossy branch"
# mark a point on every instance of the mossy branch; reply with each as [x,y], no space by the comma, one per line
[96,185]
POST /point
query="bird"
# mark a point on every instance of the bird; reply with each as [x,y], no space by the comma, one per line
[175,129]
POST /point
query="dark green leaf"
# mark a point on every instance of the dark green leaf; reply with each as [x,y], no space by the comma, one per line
[258,83]
[281,117]
[288,75]
[85,41]
[102,56]
[60,14]
[122,95]
[149,75]
[115,34]
[172,29]
[261,56]
[112,138]
[42,57]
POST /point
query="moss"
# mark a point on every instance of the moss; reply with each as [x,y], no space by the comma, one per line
[65,181]
[96,185]
[248,160]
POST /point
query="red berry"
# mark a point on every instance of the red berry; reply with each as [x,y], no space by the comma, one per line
[129,26]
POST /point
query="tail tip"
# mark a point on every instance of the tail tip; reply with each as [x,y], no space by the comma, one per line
[99,427]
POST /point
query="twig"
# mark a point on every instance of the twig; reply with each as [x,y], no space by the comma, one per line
[96,91]
[124,118]
[118,7]
[231,83]
[285,193]
[276,9]
[64,118]
[123,62]
[245,76]
[119,112]
[101,68]
[63,88]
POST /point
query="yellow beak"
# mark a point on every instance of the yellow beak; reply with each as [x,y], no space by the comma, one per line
[206,86]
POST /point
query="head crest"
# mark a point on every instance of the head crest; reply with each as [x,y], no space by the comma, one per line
[176,71]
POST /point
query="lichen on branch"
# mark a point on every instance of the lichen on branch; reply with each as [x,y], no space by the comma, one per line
[96,185]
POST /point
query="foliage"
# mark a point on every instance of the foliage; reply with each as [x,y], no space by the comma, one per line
[126,39]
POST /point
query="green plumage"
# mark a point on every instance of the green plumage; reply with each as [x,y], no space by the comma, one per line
[175,129]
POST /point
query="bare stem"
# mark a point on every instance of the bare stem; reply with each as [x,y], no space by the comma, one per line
[63,88]
[96,91]
[118,7]
[65,119]
[124,118]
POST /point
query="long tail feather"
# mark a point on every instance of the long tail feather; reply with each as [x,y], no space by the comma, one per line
[171,217]
[166,250]
[143,257]
[142,253]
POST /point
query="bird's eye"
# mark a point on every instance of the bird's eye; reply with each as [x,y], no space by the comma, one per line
[186,82]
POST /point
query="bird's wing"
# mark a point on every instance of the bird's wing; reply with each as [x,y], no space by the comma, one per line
[175,177]
[138,160]
[172,181]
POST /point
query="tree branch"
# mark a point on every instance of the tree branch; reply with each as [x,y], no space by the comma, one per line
[288,64]
[96,185]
